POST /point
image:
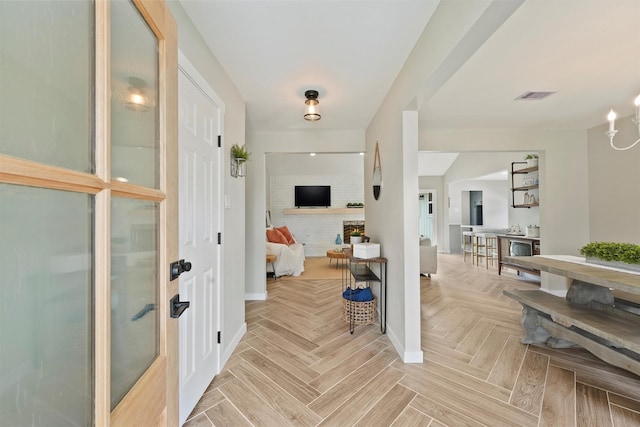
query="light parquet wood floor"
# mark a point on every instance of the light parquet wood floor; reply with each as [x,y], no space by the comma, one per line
[298,365]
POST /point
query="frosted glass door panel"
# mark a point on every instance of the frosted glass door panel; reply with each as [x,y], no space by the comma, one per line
[45,307]
[134,97]
[134,295]
[47,95]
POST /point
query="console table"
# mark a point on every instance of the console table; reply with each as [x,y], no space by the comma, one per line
[504,251]
[359,271]
[591,315]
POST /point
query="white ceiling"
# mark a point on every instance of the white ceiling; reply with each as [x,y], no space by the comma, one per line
[588,51]
[349,51]
[435,164]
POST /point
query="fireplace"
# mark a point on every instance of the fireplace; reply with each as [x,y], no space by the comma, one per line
[349,226]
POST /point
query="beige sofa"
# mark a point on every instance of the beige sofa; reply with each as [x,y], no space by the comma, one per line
[428,257]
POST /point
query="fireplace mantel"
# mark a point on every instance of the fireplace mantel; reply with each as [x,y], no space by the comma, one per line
[323,211]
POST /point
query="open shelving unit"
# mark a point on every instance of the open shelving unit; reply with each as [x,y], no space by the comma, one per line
[522,188]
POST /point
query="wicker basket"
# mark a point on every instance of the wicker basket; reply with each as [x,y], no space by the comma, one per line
[363,312]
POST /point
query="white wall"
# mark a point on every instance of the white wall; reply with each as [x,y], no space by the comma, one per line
[461,177]
[564,217]
[495,202]
[343,172]
[261,144]
[316,232]
[233,249]
[614,185]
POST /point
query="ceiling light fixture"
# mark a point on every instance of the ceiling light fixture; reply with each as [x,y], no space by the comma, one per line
[312,111]
[612,119]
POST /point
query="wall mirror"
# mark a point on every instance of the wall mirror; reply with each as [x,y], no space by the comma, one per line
[377,174]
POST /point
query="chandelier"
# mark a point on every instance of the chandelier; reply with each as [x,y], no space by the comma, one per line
[612,131]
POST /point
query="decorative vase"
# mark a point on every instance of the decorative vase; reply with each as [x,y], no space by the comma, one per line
[338,239]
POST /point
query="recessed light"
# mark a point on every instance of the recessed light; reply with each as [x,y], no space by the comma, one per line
[362,154]
[312,154]
[122,179]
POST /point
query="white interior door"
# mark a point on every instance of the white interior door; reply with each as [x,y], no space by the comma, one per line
[200,176]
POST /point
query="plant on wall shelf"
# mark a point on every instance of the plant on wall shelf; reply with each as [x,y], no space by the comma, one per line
[240,152]
[611,251]
[239,157]
[531,159]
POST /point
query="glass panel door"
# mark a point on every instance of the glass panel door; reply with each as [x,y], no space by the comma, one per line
[134,296]
[426,216]
[134,223]
[46,259]
[46,113]
[83,255]
[46,235]
[134,96]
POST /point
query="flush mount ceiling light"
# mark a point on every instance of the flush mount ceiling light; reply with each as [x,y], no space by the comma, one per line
[311,111]
[612,132]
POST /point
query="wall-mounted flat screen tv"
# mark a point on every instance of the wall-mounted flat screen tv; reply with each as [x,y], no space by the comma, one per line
[312,196]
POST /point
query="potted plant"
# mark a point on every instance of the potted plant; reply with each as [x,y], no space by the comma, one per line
[531,159]
[356,236]
[240,153]
[621,255]
[239,157]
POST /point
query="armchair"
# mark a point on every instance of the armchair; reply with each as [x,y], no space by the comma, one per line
[428,257]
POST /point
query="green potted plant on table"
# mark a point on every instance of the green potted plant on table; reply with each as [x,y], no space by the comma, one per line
[622,255]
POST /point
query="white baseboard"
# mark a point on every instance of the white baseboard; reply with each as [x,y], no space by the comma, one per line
[407,356]
[226,354]
[262,296]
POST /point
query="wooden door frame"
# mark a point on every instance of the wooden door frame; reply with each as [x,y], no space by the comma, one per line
[138,405]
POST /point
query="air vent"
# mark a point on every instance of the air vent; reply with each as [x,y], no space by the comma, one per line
[533,96]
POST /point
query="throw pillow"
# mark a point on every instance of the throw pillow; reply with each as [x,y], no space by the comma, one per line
[287,234]
[275,236]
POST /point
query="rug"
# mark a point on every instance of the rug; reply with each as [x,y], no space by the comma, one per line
[318,268]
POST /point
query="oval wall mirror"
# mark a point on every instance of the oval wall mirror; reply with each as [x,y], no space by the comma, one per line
[377,174]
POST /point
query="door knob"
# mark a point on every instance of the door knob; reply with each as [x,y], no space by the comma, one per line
[176,268]
[177,307]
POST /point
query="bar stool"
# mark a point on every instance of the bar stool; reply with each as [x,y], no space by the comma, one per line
[467,245]
[491,248]
[480,247]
